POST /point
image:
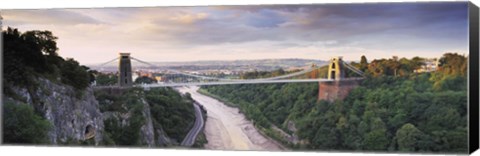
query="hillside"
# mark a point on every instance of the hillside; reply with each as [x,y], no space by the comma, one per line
[411,112]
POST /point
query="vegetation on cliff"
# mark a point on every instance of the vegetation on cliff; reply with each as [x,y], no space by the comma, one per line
[29,57]
[170,112]
[394,109]
[126,103]
[22,125]
[34,54]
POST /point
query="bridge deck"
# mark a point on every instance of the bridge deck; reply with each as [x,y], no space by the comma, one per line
[233,82]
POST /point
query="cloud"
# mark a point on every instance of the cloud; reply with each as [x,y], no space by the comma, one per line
[237,24]
[44,17]
[186,18]
[272,30]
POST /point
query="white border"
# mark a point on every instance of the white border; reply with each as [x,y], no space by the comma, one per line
[51,151]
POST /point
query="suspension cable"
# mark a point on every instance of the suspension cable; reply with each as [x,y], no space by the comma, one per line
[105,63]
[222,79]
[353,69]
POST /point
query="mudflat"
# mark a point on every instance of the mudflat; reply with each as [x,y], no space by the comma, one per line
[228,129]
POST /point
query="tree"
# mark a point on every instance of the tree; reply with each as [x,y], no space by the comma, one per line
[416,62]
[376,140]
[45,39]
[453,64]
[376,116]
[73,74]
[145,79]
[106,79]
[394,65]
[363,63]
[34,53]
[91,74]
[22,125]
[407,137]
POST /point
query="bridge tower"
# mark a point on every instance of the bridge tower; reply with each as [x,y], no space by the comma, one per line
[336,69]
[337,89]
[125,70]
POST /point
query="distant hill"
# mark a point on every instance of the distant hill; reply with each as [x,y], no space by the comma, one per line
[260,64]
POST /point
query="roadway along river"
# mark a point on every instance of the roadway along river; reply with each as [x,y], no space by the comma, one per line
[228,129]
[189,140]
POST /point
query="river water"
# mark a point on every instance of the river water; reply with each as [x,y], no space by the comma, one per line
[228,129]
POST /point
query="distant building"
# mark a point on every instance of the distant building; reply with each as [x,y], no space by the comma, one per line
[430,65]
[134,76]
[159,78]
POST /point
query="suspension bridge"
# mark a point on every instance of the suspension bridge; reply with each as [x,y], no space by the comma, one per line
[335,86]
[336,72]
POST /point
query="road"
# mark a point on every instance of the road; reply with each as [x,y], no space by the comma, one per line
[197,127]
[228,129]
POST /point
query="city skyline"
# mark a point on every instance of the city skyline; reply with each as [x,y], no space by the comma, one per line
[176,34]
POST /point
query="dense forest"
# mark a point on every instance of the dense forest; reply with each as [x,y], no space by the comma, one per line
[393,109]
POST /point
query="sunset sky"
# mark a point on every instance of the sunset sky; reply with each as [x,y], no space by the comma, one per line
[377,30]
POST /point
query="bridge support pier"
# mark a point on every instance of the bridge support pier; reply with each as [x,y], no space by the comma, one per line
[336,90]
[125,71]
[340,87]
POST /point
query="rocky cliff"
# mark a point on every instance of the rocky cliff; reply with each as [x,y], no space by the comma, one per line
[75,115]
[103,117]
[126,108]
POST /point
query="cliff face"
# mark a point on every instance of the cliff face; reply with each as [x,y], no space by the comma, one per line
[147,130]
[74,117]
[124,106]
[81,117]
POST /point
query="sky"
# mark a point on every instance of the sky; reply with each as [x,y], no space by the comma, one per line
[321,31]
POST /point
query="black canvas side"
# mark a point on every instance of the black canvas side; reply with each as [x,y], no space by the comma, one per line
[473,78]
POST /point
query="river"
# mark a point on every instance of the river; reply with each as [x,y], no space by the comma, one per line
[228,129]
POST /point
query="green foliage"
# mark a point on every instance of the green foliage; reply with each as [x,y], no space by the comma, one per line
[453,64]
[128,101]
[262,74]
[124,135]
[363,63]
[145,79]
[452,73]
[33,54]
[171,111]
[200,141]
[22,126]
[109,102]
[407,137]
[106,79]
[379,115]
[394,66]
[376,140]
[74,75]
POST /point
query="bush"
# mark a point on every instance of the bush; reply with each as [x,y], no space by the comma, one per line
[73,74]
[172,111]
[22,125]
[33,54]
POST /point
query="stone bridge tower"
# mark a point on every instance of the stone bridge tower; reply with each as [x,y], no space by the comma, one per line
[125,70]
[336,69]
[336,89]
